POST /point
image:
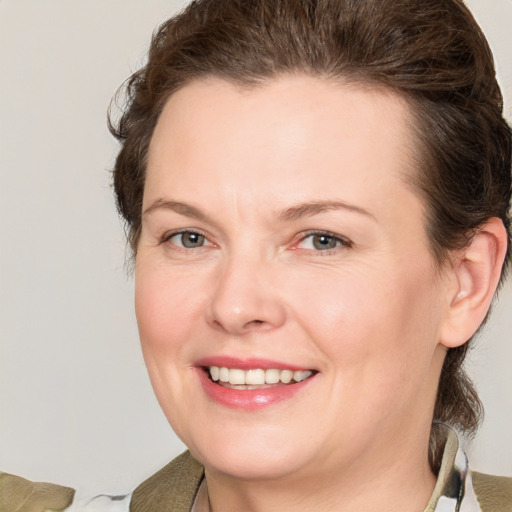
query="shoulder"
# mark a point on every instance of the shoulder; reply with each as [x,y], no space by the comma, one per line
[494,493]
[19,494]
[172,489]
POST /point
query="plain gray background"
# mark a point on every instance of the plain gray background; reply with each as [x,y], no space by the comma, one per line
[75,403]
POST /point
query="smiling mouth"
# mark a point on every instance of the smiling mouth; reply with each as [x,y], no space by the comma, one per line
[236,378]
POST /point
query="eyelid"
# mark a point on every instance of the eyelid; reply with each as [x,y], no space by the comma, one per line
[345,242]
[170,234]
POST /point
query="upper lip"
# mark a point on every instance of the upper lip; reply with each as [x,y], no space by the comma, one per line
[248,363]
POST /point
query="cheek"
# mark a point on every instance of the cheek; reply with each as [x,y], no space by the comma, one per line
[168,309]
[372,324]
[169,312]
[167,305]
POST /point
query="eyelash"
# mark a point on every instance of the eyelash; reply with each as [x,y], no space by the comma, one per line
[167,237]
[341,242]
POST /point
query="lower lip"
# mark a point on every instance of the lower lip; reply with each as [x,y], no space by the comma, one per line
[249,399]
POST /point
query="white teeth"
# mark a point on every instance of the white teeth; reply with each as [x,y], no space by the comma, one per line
[301,375]
[224,374]
[236,376]
[272,376]
[256,377]
[286,376]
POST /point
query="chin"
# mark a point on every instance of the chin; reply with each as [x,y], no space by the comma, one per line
[251,464]
[250,455]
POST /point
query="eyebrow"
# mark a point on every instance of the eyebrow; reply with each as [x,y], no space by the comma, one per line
[289,214]
[309,209]
[182,208]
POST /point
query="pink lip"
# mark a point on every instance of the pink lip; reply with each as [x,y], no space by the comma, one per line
[248,399]
[247,364]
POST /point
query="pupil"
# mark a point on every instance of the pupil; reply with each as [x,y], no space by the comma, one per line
[191,240]
[323,242]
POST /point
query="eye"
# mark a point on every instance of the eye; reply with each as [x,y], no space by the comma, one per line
[187,239]
[323,241]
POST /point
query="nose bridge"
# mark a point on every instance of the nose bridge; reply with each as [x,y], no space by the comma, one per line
[245,298]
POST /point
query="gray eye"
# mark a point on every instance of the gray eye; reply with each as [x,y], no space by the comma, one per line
[190,240]
[324,242]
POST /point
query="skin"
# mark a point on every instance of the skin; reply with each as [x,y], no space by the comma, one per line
[369,315]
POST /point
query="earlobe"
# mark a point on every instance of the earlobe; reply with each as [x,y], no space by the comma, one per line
[476,272]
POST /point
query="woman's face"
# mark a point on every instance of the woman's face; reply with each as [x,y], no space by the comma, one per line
[280,241]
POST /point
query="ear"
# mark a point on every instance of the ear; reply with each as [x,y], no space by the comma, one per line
[476,273]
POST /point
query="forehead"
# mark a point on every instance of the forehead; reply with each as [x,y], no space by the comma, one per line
[295,133]
[295,98]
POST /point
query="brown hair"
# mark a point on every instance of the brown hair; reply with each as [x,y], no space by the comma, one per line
[431,52]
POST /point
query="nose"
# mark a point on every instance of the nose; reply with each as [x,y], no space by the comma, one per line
[246,298]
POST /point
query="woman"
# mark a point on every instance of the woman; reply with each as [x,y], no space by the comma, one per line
[316,195]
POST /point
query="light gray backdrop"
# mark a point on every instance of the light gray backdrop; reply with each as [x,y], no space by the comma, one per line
[75,403]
